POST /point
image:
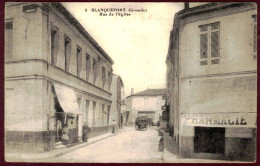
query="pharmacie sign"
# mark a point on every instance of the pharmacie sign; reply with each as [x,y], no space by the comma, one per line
[220,120]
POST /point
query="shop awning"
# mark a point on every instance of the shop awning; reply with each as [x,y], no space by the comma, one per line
[67,99]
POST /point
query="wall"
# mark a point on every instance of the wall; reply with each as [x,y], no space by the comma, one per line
[225,89]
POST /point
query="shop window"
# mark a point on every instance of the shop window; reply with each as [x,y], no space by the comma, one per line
[94,112]
[67,46]
[9,40]
[87,67]
[79,59]
[87,110]
[54,45]
[209,44]
[108,113]
[209,140]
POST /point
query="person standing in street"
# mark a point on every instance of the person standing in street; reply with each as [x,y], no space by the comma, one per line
[113,126]
[158,124]
[65,135]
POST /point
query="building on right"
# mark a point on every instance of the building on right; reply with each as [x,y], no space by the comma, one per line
[212,81]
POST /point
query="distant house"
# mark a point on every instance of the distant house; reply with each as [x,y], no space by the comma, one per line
[146,103]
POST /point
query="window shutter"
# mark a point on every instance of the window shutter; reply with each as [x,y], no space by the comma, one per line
[9,40]
[255,38]
[203,45]
[56,47]
[215,44]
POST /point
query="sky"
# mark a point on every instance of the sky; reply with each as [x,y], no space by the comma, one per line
[138,44]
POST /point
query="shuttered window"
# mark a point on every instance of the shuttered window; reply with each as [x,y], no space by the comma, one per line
[103,77]
[87,67]
[79,60]
[255,33]
[54,45]
[9,40]
[209,44]
[94,70]
[67,50]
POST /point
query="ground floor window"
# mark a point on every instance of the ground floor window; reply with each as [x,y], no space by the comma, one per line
[209,140]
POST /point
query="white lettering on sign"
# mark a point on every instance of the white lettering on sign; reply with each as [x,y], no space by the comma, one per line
[224,120]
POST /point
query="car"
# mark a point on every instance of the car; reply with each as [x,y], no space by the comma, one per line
[141,123]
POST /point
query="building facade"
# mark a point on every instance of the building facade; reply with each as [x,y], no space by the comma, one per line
[117,90]
[146,103]
[55,74]
[212,81]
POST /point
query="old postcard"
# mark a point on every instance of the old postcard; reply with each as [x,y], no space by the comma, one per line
[122,82]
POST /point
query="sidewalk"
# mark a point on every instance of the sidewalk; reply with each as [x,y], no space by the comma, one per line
[29,157]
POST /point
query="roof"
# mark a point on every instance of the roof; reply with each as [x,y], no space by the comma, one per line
[81,29]
[150,92]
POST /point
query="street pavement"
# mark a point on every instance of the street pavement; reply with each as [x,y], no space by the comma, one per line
[129,146]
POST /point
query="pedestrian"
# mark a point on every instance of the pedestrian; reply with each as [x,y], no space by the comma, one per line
[86,131]
[113,126]
[65,135]
[158,124]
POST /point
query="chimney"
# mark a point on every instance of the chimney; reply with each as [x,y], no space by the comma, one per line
[132,91]
[186,5]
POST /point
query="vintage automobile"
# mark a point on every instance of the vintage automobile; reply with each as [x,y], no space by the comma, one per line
[141,123]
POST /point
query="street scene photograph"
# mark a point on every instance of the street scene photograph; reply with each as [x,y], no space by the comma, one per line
[130,82]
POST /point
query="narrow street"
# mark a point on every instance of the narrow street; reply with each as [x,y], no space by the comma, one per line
[129,145]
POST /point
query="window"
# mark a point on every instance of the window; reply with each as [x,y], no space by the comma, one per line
[67,45]
[109,75]
[9,40]
[54,45]
[108,113]
[79,59]
[103,77]
[94,70]
[87,67]
[103,114]
[255,34]
[94,108]
[209,44]
[87,109]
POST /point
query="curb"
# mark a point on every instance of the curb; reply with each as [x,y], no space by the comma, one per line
[80,146]
[59,153]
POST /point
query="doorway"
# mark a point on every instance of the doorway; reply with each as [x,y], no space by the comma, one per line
[209,140]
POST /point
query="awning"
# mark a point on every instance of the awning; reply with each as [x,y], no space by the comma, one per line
[67,99]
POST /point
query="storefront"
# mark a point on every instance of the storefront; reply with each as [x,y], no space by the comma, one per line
[67,112]
[218,135]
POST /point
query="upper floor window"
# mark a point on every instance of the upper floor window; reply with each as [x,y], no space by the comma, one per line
[87,67]
[54,45]
[9,40]
[67,45]
[79,59]
[94,70]
[109,75]
[209,44]
[103,77]
[255,33]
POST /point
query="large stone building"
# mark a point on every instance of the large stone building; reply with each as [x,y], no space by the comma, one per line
[212,81]
[55,74]
[146,103]
[117,90]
